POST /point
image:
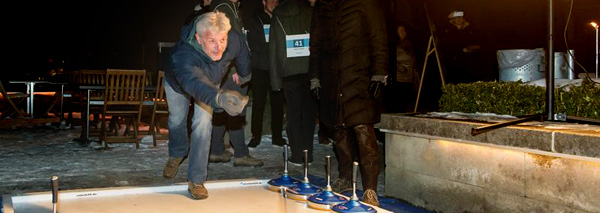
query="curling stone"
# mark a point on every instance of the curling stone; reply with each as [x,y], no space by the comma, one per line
[327,198]
[285,181]
[353,205]
[304,189]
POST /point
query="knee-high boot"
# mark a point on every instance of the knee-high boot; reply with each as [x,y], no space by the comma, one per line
[344,152]
[368,155]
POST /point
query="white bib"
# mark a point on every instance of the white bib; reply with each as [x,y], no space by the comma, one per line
[266,30]
[297,45]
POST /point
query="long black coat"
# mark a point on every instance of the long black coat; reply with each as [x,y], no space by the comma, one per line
[348,45]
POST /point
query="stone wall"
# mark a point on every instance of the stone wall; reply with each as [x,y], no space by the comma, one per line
[453,172]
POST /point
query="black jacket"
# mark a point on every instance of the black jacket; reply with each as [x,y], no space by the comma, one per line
[259,47]
[291,17]
[348,45]
[231,10]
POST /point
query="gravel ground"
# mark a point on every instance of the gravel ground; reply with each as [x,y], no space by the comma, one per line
[30,156]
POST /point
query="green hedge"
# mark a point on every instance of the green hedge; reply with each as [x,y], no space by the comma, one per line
[515,98]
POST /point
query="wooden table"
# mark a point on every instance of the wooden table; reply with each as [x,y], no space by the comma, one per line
[30,90]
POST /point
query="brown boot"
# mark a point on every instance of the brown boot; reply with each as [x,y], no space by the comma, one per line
[341,185]
[247,161]
[172,167]
[223,158]
[197,190]
[370,197]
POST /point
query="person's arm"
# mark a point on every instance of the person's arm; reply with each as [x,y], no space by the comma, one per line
[191,80]
[242,60]
[316,45]
[377,38]
[274,55]
[254,35]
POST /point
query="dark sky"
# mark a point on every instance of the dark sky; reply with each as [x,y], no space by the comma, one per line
[124,34]
[105,34]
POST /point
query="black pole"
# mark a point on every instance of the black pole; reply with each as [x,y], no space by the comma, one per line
[487,128]
[550,70]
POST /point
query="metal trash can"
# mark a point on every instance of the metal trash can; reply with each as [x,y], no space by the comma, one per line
[564,65]
[521,64]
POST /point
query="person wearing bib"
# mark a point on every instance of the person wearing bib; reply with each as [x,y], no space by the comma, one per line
[289,51]
[222,121]
[259,27]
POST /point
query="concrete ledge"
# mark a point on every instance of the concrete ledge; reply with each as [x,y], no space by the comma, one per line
[437,165]
[534,135]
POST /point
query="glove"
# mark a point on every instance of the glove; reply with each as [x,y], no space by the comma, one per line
[375,89]
[376,86]
[231,101]
[315,88]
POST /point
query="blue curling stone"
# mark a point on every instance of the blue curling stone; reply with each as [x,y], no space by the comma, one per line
[353,206]
[284,180]
[327,197]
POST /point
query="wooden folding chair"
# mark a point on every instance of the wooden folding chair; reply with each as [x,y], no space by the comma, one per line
[123,98]
[70,93]
[91,78]
[7,97]
[160,108]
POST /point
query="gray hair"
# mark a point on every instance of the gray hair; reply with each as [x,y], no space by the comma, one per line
[213,21]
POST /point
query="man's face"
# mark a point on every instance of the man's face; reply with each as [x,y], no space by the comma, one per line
[270,5]
[458,22]
[213,43]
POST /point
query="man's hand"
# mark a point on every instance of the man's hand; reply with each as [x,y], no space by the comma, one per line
[231,101]
[315,87]
[236,78]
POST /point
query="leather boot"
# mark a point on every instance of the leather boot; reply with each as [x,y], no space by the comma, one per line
[369,157]
[344,152]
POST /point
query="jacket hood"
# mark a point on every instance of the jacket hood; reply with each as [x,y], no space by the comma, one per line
[291,8]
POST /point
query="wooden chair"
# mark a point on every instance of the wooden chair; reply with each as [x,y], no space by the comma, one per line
[10,108]
[69,93]
[159,108]
[92,78]
[123,98]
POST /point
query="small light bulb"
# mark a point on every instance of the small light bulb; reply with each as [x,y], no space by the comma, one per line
[594,25]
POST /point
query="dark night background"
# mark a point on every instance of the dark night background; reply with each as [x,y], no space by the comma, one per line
[124,34]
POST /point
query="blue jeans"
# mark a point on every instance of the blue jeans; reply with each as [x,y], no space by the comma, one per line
[197,146]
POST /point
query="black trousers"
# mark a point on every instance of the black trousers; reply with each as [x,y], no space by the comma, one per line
[301,112]
[233,124]
[261,87]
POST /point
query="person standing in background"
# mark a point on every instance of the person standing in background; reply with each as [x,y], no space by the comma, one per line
[289,51]
[222,121]
[348,69]
[258,41]
[402,88]
[200,9]
[460,50]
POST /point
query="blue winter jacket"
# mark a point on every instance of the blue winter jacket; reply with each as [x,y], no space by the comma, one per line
[190,71]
